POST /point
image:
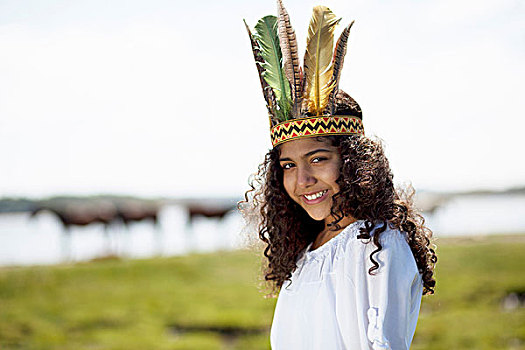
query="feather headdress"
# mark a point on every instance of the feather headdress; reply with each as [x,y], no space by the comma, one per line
[304,102]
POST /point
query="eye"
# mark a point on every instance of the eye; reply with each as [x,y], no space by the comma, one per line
[287,165]
[318,159]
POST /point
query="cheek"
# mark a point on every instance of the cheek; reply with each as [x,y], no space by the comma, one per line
[334,175]
[288,183]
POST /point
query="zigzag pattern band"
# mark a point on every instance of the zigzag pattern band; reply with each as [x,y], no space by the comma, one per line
[315,126]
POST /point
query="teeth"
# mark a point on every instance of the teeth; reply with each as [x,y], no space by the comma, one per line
[315,195]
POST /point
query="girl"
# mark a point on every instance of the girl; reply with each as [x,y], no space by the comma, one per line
[348,253]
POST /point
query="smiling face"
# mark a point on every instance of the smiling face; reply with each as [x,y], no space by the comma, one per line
[310,170]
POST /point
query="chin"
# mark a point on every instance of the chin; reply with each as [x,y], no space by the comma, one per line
[317,215]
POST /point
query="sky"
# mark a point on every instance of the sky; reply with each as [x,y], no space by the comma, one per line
[162,98]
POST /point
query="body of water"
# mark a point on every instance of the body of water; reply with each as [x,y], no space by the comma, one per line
[42,240]
[479,215]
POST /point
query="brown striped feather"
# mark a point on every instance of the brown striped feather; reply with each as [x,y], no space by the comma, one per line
[337,62]
[288,43]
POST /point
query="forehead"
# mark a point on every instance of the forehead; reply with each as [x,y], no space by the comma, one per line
[301,147]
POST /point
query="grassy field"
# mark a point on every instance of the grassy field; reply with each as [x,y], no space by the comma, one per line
[212,302]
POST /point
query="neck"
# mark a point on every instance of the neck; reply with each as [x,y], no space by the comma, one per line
[329,223]
[331,231]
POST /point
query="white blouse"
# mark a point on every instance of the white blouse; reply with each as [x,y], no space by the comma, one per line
[332,302]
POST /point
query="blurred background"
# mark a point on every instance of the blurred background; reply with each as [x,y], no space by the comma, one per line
[128,131]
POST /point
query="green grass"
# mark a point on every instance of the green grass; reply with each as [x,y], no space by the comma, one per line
[474,276]
[135,304]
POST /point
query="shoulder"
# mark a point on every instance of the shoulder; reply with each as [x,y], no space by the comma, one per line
[389,237]
[394,248]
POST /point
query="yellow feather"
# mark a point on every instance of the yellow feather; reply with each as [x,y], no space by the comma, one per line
[318,59]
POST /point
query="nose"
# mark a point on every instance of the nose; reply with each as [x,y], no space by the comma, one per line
[305,177]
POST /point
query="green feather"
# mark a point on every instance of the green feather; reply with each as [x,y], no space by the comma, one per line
[266,34]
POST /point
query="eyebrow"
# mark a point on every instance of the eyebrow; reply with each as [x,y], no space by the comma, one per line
[307,154]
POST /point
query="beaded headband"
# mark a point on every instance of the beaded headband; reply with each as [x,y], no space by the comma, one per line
[304,103]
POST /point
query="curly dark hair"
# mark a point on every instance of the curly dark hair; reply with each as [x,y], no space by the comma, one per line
[366,193]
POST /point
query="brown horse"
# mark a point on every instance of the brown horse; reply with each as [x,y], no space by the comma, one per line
[106,212]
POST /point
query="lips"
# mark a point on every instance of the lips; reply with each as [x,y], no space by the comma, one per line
[315,197]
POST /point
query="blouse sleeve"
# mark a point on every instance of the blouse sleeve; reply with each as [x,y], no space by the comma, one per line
[386,302]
